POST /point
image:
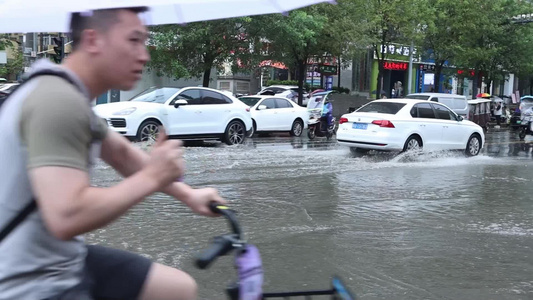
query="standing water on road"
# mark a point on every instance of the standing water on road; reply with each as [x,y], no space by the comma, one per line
[431,226]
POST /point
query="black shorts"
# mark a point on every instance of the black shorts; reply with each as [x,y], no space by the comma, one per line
[110,274]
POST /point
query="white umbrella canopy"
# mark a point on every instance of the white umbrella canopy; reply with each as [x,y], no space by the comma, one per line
[54,16]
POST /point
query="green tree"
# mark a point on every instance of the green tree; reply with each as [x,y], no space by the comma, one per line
[293,40]
[442,34]
[392,21]
[492,45]
[193,50]
[13,67]
[521,52]
[516,44]
[316,31]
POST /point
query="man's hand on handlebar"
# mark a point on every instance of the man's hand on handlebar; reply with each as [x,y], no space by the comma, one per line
[199,200]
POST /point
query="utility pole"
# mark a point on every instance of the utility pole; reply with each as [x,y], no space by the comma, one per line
[339,77]
[410,73]
[41,42]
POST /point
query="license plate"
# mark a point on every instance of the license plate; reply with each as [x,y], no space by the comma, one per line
[359,126]
[518,122]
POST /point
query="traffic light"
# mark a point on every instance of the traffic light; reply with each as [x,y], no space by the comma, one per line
[59,49]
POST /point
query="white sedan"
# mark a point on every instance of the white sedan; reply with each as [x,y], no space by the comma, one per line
[404,125]
[192,113]
[273,113]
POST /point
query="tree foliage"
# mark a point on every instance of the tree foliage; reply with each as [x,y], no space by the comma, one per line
[193,50]
[293,39]
[488,43]
[318,31]
[13,67]
[391,21]
[467,34]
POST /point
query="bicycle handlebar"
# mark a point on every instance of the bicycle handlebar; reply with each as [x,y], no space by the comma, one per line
[221,245]
[230,215]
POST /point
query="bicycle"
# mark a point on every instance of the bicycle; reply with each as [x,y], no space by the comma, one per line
[249,266]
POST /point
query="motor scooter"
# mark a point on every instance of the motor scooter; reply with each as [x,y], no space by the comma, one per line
[526,117]
[526,127]
[317,125]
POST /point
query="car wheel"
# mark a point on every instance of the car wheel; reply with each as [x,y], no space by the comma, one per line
[473,146]
[148,131]
[358,151]
[235,133]
[297,128]
[311,133]
[413,143]
[522,134]
[329,135]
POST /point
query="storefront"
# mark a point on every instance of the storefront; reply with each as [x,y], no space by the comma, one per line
[395,78]
[425,80]
[396,71]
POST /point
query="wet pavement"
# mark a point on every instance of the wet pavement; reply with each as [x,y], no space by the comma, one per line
[431,226]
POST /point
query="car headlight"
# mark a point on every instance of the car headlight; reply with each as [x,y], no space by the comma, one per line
[125,112]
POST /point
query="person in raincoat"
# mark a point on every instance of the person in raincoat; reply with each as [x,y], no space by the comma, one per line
[498,111]
[327,111]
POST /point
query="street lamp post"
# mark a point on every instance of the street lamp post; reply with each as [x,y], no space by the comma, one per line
[410,73]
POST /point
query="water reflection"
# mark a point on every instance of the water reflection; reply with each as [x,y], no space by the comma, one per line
[519,149]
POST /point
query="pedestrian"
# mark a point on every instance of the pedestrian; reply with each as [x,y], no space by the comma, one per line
[50,139]
[498,110]
[399,89]
[507,114]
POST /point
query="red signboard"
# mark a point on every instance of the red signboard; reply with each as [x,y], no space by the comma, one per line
[389,65]
[462,72]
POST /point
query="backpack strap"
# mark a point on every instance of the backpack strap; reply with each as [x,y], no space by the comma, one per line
[21,216]
[32,205]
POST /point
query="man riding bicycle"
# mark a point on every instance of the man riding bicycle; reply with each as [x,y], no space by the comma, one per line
[50,139]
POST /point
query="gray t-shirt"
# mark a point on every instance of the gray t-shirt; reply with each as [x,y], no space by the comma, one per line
[46,122]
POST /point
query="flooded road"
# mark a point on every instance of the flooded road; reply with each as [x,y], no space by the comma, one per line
[432,226]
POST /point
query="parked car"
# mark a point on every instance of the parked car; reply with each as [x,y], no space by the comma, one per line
[405,124]
[287,91]
[276,114]
[190,113]
[6,89]
[458,103]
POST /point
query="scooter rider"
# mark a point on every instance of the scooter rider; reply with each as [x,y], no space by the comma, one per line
[327,114]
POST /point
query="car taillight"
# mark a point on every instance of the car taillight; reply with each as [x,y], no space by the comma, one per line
[383,123]
[248,109]
[343,120]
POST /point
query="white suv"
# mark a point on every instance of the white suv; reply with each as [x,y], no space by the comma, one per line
[191,113]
